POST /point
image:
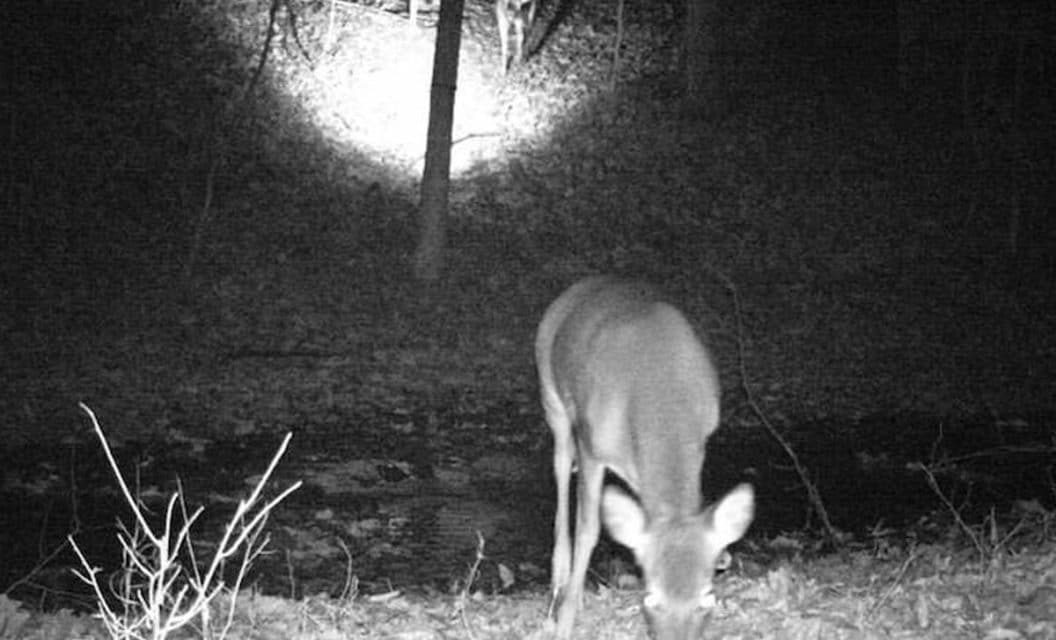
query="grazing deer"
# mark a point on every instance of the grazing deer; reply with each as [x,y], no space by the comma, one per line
[518,14]
[628,386]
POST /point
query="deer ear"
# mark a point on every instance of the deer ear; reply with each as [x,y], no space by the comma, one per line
[623,518]
[731,516]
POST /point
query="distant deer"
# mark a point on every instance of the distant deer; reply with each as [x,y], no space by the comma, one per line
[412,10]
[519,14]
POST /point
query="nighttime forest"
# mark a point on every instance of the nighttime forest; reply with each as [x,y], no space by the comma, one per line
[538,319]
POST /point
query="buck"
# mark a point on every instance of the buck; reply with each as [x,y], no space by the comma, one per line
[628,386]
[518,15]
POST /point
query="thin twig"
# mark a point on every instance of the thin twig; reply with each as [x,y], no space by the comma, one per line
[470,578]
[235,109]
[37,568]
[351,588]
[934,485]
[894,584]
[804,474]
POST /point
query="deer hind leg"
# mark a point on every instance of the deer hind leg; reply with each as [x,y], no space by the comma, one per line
[564,452]
[590,479]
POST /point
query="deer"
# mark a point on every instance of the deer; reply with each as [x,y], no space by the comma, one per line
[518,14]
[628,387]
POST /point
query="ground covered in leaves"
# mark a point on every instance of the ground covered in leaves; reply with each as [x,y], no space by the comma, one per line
[200,257]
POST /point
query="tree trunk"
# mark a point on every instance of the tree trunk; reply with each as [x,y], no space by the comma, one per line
[701,80]
[436,177]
